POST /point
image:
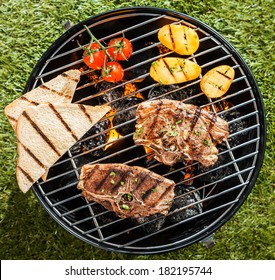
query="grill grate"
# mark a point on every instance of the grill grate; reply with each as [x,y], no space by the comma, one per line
[218,197]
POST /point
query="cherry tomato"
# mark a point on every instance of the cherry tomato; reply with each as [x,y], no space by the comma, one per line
[94,57]
[120,48]
[113,72]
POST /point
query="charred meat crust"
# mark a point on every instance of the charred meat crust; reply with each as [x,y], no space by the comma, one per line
[176,131]
[129,191]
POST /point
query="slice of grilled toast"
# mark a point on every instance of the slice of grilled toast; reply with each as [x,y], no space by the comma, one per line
[45,132]
[58,90]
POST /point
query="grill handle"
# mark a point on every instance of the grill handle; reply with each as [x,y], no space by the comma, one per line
[67,25]
[208,241]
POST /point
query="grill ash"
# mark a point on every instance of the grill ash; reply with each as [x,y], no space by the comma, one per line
[186,204]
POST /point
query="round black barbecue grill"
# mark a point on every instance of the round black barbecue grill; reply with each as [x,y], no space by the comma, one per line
[205,198]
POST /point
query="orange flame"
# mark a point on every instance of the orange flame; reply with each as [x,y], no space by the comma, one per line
[149,152]
[112,135]
[220,106]
[190,171]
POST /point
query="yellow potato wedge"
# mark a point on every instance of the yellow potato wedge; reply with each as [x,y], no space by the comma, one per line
[179,38]
[217,81]
[174,70]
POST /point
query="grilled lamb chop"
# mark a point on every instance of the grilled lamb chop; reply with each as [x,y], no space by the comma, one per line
[176,131]
[129,191]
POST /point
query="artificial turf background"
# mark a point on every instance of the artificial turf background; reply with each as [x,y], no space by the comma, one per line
[28,28]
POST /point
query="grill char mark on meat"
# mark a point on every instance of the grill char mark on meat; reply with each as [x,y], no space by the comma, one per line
[120,181]
[197,114]
[148,192]
[180,131]
[212,121]
[129,191]
[158,108]
[140,180]
[101,183]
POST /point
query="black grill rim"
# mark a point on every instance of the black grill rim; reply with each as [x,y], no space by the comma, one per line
[262,126]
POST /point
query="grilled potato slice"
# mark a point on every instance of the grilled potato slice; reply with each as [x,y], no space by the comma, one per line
[179,38]
[217,81]
[174,70]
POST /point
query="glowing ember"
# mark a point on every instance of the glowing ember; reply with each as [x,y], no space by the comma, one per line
[163,49]
[208,108]
[92,75]
[149,153]
[131,88]
[112,135]
[224,105]
[189,172]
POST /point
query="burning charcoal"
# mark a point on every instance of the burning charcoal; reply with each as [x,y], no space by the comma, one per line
[93,142]
[237,125]
[127,115]
[183,199]
[160,90]
[103,216]
[220,168]
[151,223]
[135,73]
[215,175]
[174,92]
[112,93]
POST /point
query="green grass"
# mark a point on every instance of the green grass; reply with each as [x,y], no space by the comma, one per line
[28,28]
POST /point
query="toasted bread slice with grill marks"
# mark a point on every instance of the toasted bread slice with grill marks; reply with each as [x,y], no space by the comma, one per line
[58,90]
[45,132]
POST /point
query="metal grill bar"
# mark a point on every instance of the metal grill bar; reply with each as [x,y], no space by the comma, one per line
[199,188]
[221,194]
[163,96]
[184,207]
[165,229]
[131,148]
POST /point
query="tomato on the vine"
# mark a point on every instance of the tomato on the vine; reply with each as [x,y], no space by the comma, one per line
[94,57]
[112,72]
[99,57]
[120,48]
